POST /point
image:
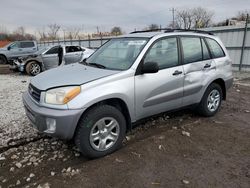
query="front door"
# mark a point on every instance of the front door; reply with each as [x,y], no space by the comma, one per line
[161,91]
[50,58]
[14,50]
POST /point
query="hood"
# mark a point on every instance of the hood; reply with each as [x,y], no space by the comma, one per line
[3,49]
[74,74]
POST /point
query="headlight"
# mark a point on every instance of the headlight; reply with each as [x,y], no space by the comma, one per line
[62,95]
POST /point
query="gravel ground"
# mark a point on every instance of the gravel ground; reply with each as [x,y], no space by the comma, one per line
[14,125]
[177,149]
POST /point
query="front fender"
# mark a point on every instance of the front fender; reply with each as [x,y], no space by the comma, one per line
[120,89]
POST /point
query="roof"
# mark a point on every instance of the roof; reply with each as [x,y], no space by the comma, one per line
[152,33]
[142,34]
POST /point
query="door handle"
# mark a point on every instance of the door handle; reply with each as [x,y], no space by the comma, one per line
[177,72]
[207,66]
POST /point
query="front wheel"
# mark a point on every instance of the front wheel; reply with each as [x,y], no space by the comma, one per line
[211,100]
[33,68]
[3,60]
[100,131]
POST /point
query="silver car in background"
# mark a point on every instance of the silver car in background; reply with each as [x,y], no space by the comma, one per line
[47,58]
[129,78]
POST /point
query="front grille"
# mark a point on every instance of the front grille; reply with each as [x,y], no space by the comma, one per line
[34,92]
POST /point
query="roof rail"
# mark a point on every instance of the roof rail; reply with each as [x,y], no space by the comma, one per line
[151,30]
[168,30]
[190,30]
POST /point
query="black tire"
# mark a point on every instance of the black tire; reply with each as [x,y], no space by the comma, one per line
[30,68]
[3,60]
[203,108]
[87,123]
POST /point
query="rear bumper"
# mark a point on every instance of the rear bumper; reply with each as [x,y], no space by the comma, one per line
[229,83]
[66,120]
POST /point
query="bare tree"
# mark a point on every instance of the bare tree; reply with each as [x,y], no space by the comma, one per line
[184,19]
[202,17]
[42,34]
[116,31]
[72,33]
[53,30]
[20,31]
[3,29]
[153,27]
[242,15]
[194,18]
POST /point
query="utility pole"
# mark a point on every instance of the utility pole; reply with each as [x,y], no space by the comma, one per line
[173,13]
[243,43]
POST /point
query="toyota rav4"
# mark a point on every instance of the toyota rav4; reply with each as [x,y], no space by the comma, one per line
[129,78]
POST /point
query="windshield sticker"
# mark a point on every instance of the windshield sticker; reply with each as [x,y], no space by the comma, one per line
[138,42]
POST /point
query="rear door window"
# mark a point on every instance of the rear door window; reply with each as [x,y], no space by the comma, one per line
[215,48]
[192,51]
[27,44]
[72,49]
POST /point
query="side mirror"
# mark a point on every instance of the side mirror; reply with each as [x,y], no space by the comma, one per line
[150,67]
[8,48]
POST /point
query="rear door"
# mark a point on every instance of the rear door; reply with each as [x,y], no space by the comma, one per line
[161,91]
[50,58]
[73,54]
[198,66]
[27,47]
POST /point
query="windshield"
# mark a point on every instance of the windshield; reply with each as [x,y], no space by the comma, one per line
[118,54]
[41,50]
[7,45]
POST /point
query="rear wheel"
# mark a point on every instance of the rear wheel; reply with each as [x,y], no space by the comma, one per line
[33,68]
[100,131]
[211,100]
[3,60]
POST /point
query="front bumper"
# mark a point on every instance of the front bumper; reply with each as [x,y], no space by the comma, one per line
[16,65]
[66,120]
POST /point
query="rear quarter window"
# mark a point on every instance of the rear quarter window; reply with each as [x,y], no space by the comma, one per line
[27,44]
[215,49]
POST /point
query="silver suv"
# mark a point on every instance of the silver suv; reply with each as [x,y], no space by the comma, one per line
[129,78]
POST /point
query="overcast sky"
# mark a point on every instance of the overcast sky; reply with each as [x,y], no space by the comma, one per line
[128,14]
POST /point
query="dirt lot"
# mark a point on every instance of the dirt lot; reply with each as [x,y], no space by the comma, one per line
[158,153]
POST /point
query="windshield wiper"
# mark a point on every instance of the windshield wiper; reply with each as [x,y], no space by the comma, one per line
[97,65]
[84,62]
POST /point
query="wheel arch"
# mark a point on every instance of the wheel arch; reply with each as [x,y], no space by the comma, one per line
[115,102]
[4,57]
[222,84]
